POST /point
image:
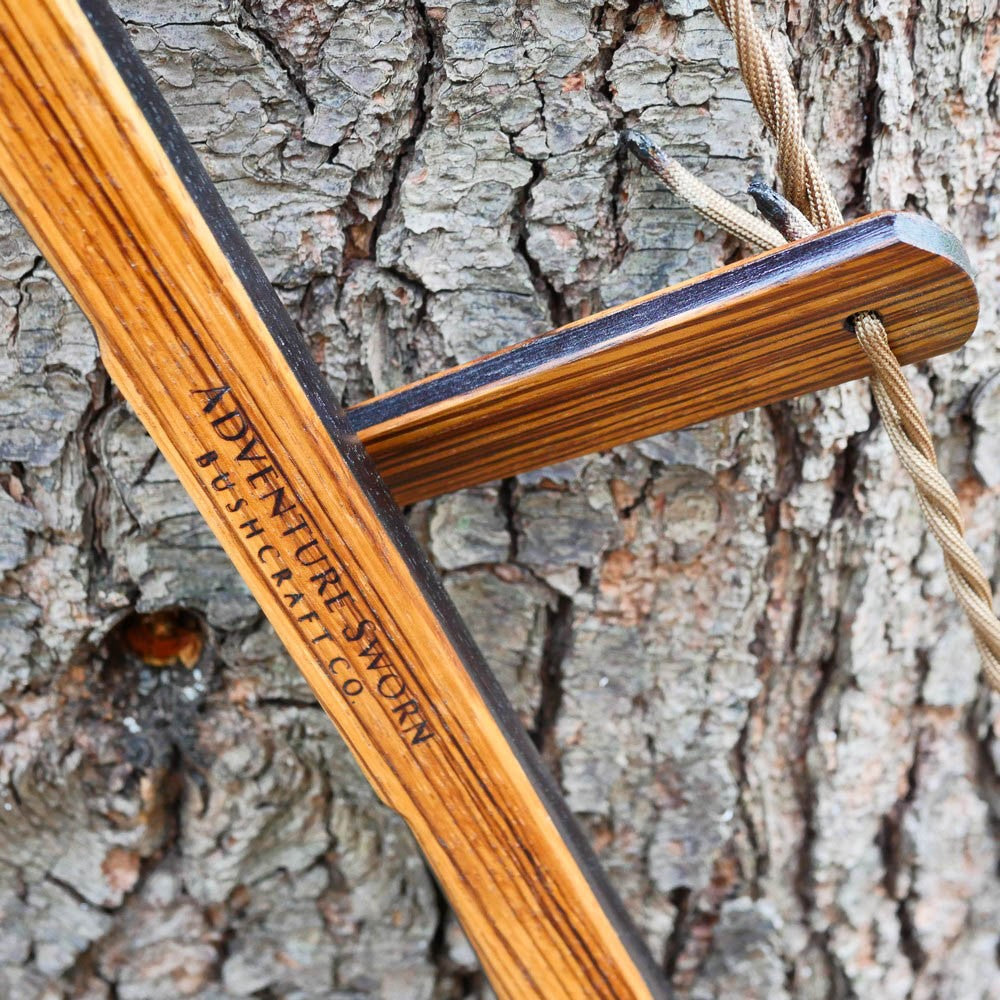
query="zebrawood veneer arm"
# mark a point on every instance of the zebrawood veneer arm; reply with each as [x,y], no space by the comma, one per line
[98,171]
[752,333]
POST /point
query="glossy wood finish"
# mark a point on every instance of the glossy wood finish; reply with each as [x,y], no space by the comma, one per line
[96,168]
[765,329]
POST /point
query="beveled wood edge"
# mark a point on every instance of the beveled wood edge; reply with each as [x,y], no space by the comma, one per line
[601,330]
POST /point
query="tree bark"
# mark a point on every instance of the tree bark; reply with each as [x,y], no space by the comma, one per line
[734,644]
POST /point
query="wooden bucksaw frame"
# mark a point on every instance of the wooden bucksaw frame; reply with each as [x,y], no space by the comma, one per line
[96,168]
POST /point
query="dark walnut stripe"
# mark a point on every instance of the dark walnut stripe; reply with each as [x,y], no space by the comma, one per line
[98,172]
[749,334]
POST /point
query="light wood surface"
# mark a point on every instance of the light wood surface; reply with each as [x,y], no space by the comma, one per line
[749,334]
[95,168]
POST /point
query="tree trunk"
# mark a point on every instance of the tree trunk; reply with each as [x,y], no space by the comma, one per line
[734,644]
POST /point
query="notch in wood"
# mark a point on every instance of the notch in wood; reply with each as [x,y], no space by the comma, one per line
[762,330]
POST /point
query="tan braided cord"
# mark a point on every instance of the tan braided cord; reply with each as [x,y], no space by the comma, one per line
[773,95]
[745,226]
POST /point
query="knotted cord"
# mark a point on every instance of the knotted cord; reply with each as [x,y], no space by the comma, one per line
[770,87]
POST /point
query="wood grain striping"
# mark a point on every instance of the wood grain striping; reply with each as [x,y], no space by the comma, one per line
[180,311]
[746,335]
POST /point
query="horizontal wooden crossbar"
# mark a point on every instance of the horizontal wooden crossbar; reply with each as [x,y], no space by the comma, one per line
[762,330]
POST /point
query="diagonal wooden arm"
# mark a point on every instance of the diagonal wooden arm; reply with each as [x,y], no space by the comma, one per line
[752,333]
[96,168]
[191,331]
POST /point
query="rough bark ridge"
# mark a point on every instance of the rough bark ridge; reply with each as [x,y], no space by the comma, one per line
[733,644]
